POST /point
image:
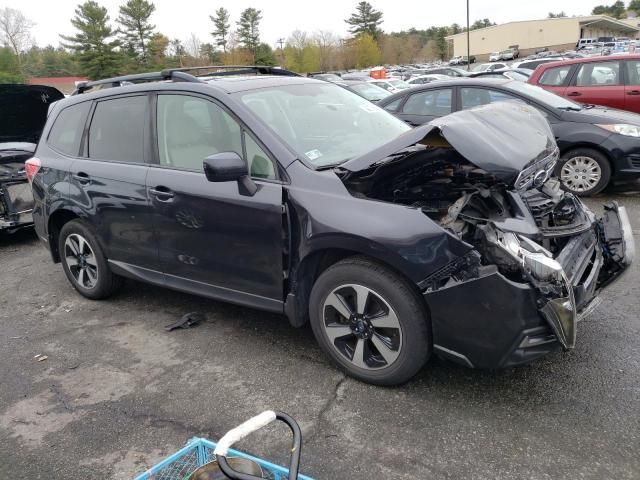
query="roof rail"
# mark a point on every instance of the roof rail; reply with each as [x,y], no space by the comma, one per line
[175,75]
[221,70]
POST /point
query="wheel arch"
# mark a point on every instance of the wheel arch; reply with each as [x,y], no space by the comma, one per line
[307,270]
[593,146]
[56,221]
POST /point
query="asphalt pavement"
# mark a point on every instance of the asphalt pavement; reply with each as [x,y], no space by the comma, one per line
[117,392]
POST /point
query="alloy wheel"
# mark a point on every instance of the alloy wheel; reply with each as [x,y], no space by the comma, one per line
[81,261]
[580,174]
[362,327]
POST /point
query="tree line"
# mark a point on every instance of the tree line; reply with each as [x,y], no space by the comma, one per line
[617,9]
[101,47]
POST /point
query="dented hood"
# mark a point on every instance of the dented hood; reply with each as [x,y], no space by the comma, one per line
[501,138]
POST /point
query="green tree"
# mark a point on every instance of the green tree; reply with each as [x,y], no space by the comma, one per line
[634,6]
[557,15]
[249,29]
[136,28]
[265,55]
[365,20]
[9,72]
[366,49]
[615,10]
[94,41]
[222,25]
[484,23]
[209,53]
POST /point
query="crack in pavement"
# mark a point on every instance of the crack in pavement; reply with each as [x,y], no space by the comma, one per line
[333,399]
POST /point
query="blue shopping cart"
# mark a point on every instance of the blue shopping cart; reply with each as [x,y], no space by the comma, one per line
[202,459]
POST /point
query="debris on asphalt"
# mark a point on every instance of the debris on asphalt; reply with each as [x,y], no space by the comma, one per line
[40,357]
[187,321]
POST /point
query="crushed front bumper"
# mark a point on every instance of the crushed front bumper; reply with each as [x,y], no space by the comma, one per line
[492,321]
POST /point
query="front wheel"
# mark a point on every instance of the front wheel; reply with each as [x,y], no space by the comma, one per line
[584,171]
[370,321]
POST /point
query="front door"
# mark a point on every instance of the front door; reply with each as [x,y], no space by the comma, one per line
[209,235]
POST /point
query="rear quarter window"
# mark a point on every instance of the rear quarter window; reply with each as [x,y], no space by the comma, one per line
[555,77]
[67,129]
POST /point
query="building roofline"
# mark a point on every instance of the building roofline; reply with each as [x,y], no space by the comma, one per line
[584,18]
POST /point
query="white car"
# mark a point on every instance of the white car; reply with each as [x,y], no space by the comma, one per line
[391,85]
[422,79]
[455,60]
[495,57]
[490,67]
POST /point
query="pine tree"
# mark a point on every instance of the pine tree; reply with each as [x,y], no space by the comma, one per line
[249,29]
[221,22]
[135,27]
[94,41]
[365,20]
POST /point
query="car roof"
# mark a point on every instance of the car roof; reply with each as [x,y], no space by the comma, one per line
[454,82]
[240,83]
[572,61]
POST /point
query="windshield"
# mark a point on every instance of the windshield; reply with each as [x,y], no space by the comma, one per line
[324,123]
[369,91]
[543,96]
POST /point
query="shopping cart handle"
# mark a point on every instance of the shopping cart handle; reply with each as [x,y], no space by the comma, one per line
[250,426]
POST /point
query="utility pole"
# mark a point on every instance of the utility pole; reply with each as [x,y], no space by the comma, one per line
[281,43]
[468,41]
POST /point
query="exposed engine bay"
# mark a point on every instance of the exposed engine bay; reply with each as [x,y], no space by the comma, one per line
[526,227]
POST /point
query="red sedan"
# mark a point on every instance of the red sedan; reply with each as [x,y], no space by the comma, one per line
[612,81]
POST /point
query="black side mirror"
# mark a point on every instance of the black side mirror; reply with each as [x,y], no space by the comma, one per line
[229,167]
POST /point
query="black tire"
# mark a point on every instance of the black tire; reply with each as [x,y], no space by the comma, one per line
[386,289]
[106,282]
[587,153]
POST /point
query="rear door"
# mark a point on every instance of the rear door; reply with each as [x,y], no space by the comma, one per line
[422,107]
[210,236]
[556,79]
[108,182]
[632,85]
[599,83]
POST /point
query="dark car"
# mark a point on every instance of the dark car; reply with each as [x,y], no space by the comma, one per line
[449,71]
[365,89]
[296,196]
[597,145]
[23,113]
[327,77]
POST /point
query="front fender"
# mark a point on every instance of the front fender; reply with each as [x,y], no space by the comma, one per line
[400,236]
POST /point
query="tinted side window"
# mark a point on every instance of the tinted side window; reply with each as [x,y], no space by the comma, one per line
[598,74]
[633,72]
[393,106]
[117,130]
[432,102]
[474,97]
[66,133]
[555,77]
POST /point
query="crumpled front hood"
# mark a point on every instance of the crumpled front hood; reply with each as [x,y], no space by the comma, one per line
[501,138]
[23,111]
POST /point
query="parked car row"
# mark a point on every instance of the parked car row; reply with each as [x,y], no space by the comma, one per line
[296,196]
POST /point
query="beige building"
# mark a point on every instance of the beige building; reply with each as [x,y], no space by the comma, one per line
[554,33]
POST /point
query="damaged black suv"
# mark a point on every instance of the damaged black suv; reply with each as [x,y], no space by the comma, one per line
[296,196]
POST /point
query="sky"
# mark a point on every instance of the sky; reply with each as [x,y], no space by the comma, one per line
[180,18]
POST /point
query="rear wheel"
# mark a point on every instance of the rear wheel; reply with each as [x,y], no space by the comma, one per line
[84,263]
[584,171]
[370,322]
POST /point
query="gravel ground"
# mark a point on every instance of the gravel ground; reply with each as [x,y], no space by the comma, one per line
[117,392]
